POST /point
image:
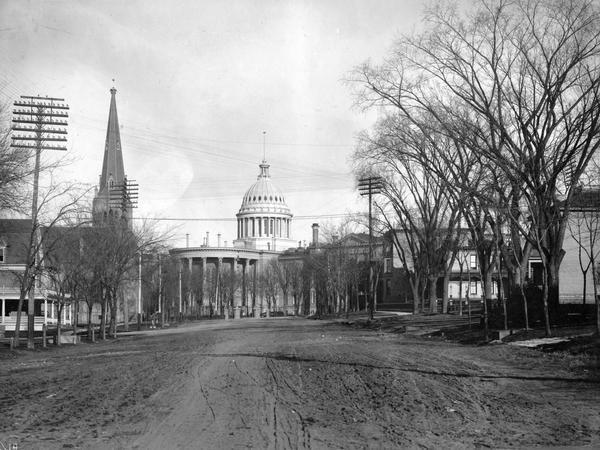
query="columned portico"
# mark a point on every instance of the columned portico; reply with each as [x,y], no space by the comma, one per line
[243,266]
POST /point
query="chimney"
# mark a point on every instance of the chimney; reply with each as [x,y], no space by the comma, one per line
[315,237]
[207,239]
[219,240]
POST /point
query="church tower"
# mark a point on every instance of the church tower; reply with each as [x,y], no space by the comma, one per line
[113,197]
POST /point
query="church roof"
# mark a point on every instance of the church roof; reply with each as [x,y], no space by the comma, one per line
[112,165]
[264,196]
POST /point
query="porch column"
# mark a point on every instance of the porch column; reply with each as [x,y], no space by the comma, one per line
[244,287]
[205,298]
[45,311]
[217,282]
[232,283]
[255,306]
[189,283]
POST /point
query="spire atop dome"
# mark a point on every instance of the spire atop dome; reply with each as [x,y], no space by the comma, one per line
[264,170]
[112,165]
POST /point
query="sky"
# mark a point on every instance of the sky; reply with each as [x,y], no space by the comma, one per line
[197,83]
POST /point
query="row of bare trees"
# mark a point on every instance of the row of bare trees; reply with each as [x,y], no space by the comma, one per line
[489,119]
[62,252]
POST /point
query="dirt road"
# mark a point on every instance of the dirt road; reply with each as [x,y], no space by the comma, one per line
[292,383]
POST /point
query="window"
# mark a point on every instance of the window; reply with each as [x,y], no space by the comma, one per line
[473,288]
[387,265]
[2,249]
[473,261]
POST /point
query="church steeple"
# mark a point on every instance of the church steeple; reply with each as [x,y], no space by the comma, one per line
[112,199]
[113,171]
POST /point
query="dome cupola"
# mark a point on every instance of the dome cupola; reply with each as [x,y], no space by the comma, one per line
[264,196]
[264,219]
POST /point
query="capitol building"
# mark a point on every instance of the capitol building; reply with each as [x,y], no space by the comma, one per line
[228,276]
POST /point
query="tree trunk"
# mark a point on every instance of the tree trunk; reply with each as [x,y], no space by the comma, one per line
[460,291]
[445,294]
[126,313]
[75,319]
[545,298]
[596,300]
[59,322]
[584,293]
[432,282]
[103,319]
[18,323]
[552,272]
[90,330]
[114,307]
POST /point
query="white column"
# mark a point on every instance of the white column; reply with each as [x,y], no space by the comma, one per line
[45,310]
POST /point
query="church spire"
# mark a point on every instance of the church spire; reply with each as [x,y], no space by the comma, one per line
[113,198]
[113,171]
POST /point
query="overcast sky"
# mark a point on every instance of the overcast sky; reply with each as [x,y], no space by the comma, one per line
[197,84]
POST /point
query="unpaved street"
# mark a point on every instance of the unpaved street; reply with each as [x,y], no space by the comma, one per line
[293,383]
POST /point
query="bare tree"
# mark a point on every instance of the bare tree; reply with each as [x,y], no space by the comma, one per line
[58,205]
[15,168]
[523,77]
[416,202]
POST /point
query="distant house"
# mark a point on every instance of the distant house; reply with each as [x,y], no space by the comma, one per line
[582,248]
[14,241]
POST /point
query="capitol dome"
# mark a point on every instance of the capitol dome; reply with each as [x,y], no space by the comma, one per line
[264,195]
[264,219]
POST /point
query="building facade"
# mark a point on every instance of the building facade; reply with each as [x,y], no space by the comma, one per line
[229,278]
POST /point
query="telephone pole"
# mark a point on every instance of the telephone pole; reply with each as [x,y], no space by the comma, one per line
[370,186]
[42,122]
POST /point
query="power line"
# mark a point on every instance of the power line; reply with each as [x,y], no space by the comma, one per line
[229,219]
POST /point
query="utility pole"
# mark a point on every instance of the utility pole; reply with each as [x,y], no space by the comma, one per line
[370,186]
[160,311]
[42,122]
[139,302]
[180,291]
[123,197]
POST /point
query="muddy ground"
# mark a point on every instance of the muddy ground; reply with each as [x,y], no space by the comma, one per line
[294,383]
